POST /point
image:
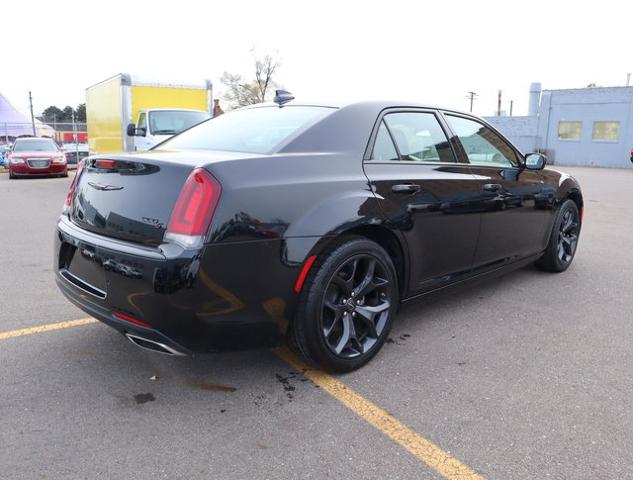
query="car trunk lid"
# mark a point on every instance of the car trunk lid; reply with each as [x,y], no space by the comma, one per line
[128,198]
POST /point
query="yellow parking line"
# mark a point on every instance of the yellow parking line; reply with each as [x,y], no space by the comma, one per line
[425,450]
[46,328]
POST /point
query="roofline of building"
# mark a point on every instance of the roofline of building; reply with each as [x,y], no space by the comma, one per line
[624,87]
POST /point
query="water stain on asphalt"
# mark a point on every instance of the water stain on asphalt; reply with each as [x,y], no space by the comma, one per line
[402,339]
[144,398]
[210,387]
[285,382]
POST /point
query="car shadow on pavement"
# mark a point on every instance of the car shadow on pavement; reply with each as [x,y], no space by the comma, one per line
[248,379]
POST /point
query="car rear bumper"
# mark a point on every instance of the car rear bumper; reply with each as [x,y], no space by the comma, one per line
[221,297]
[128,329]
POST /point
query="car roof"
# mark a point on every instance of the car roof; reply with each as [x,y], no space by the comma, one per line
[369,104]
[357,119]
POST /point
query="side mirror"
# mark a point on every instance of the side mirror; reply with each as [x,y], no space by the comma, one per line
[132,131]
[535,161]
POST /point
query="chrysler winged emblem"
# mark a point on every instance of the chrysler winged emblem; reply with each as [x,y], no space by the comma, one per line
[105,187]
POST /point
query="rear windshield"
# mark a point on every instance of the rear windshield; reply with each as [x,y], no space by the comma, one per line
[35,146]
[256,130]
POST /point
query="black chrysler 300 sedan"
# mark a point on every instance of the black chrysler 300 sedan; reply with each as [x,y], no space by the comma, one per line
[305,222]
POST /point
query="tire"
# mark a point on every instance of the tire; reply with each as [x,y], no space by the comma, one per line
[330,306]
[563,241]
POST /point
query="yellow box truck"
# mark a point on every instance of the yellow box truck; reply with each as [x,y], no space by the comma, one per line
[125,113]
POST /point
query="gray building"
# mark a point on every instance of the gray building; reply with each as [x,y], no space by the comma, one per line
[580,126]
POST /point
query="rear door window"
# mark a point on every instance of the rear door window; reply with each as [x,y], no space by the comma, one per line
[419,137]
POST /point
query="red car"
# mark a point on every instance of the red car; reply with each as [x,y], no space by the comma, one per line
[36,157]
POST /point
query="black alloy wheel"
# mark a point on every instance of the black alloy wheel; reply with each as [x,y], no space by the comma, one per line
[356,306]
[568,235]
[347,305]
[563,242]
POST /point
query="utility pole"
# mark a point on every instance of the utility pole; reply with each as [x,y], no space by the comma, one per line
[471,96]
[32,117]
[499,105]
[628,79]
[511,105]
[75,138]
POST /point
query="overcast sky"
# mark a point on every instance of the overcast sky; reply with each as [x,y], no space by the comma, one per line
[425,51]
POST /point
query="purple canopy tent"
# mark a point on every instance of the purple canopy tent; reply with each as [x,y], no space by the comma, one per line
[14,123]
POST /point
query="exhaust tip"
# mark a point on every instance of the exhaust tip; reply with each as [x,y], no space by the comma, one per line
[147,344]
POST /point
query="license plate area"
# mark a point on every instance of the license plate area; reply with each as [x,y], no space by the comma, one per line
[81,266]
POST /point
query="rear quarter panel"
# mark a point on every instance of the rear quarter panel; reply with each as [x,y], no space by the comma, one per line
[288,197]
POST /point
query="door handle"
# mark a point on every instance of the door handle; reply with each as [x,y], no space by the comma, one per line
[492,187]
[405,188]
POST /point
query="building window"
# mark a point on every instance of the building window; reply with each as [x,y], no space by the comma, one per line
[569,130]
[606,131]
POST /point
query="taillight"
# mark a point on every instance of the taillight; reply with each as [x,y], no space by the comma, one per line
[105,163]
[192,214]
[73,186]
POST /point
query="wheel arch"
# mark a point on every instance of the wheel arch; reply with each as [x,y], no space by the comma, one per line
[575,195]
[388,239]
[570,190]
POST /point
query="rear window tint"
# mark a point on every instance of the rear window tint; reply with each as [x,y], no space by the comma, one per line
[256,130]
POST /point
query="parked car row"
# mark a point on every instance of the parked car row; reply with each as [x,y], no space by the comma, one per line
[75,152]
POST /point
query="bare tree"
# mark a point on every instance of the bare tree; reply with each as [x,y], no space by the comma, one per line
[265,69]
[241,93]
